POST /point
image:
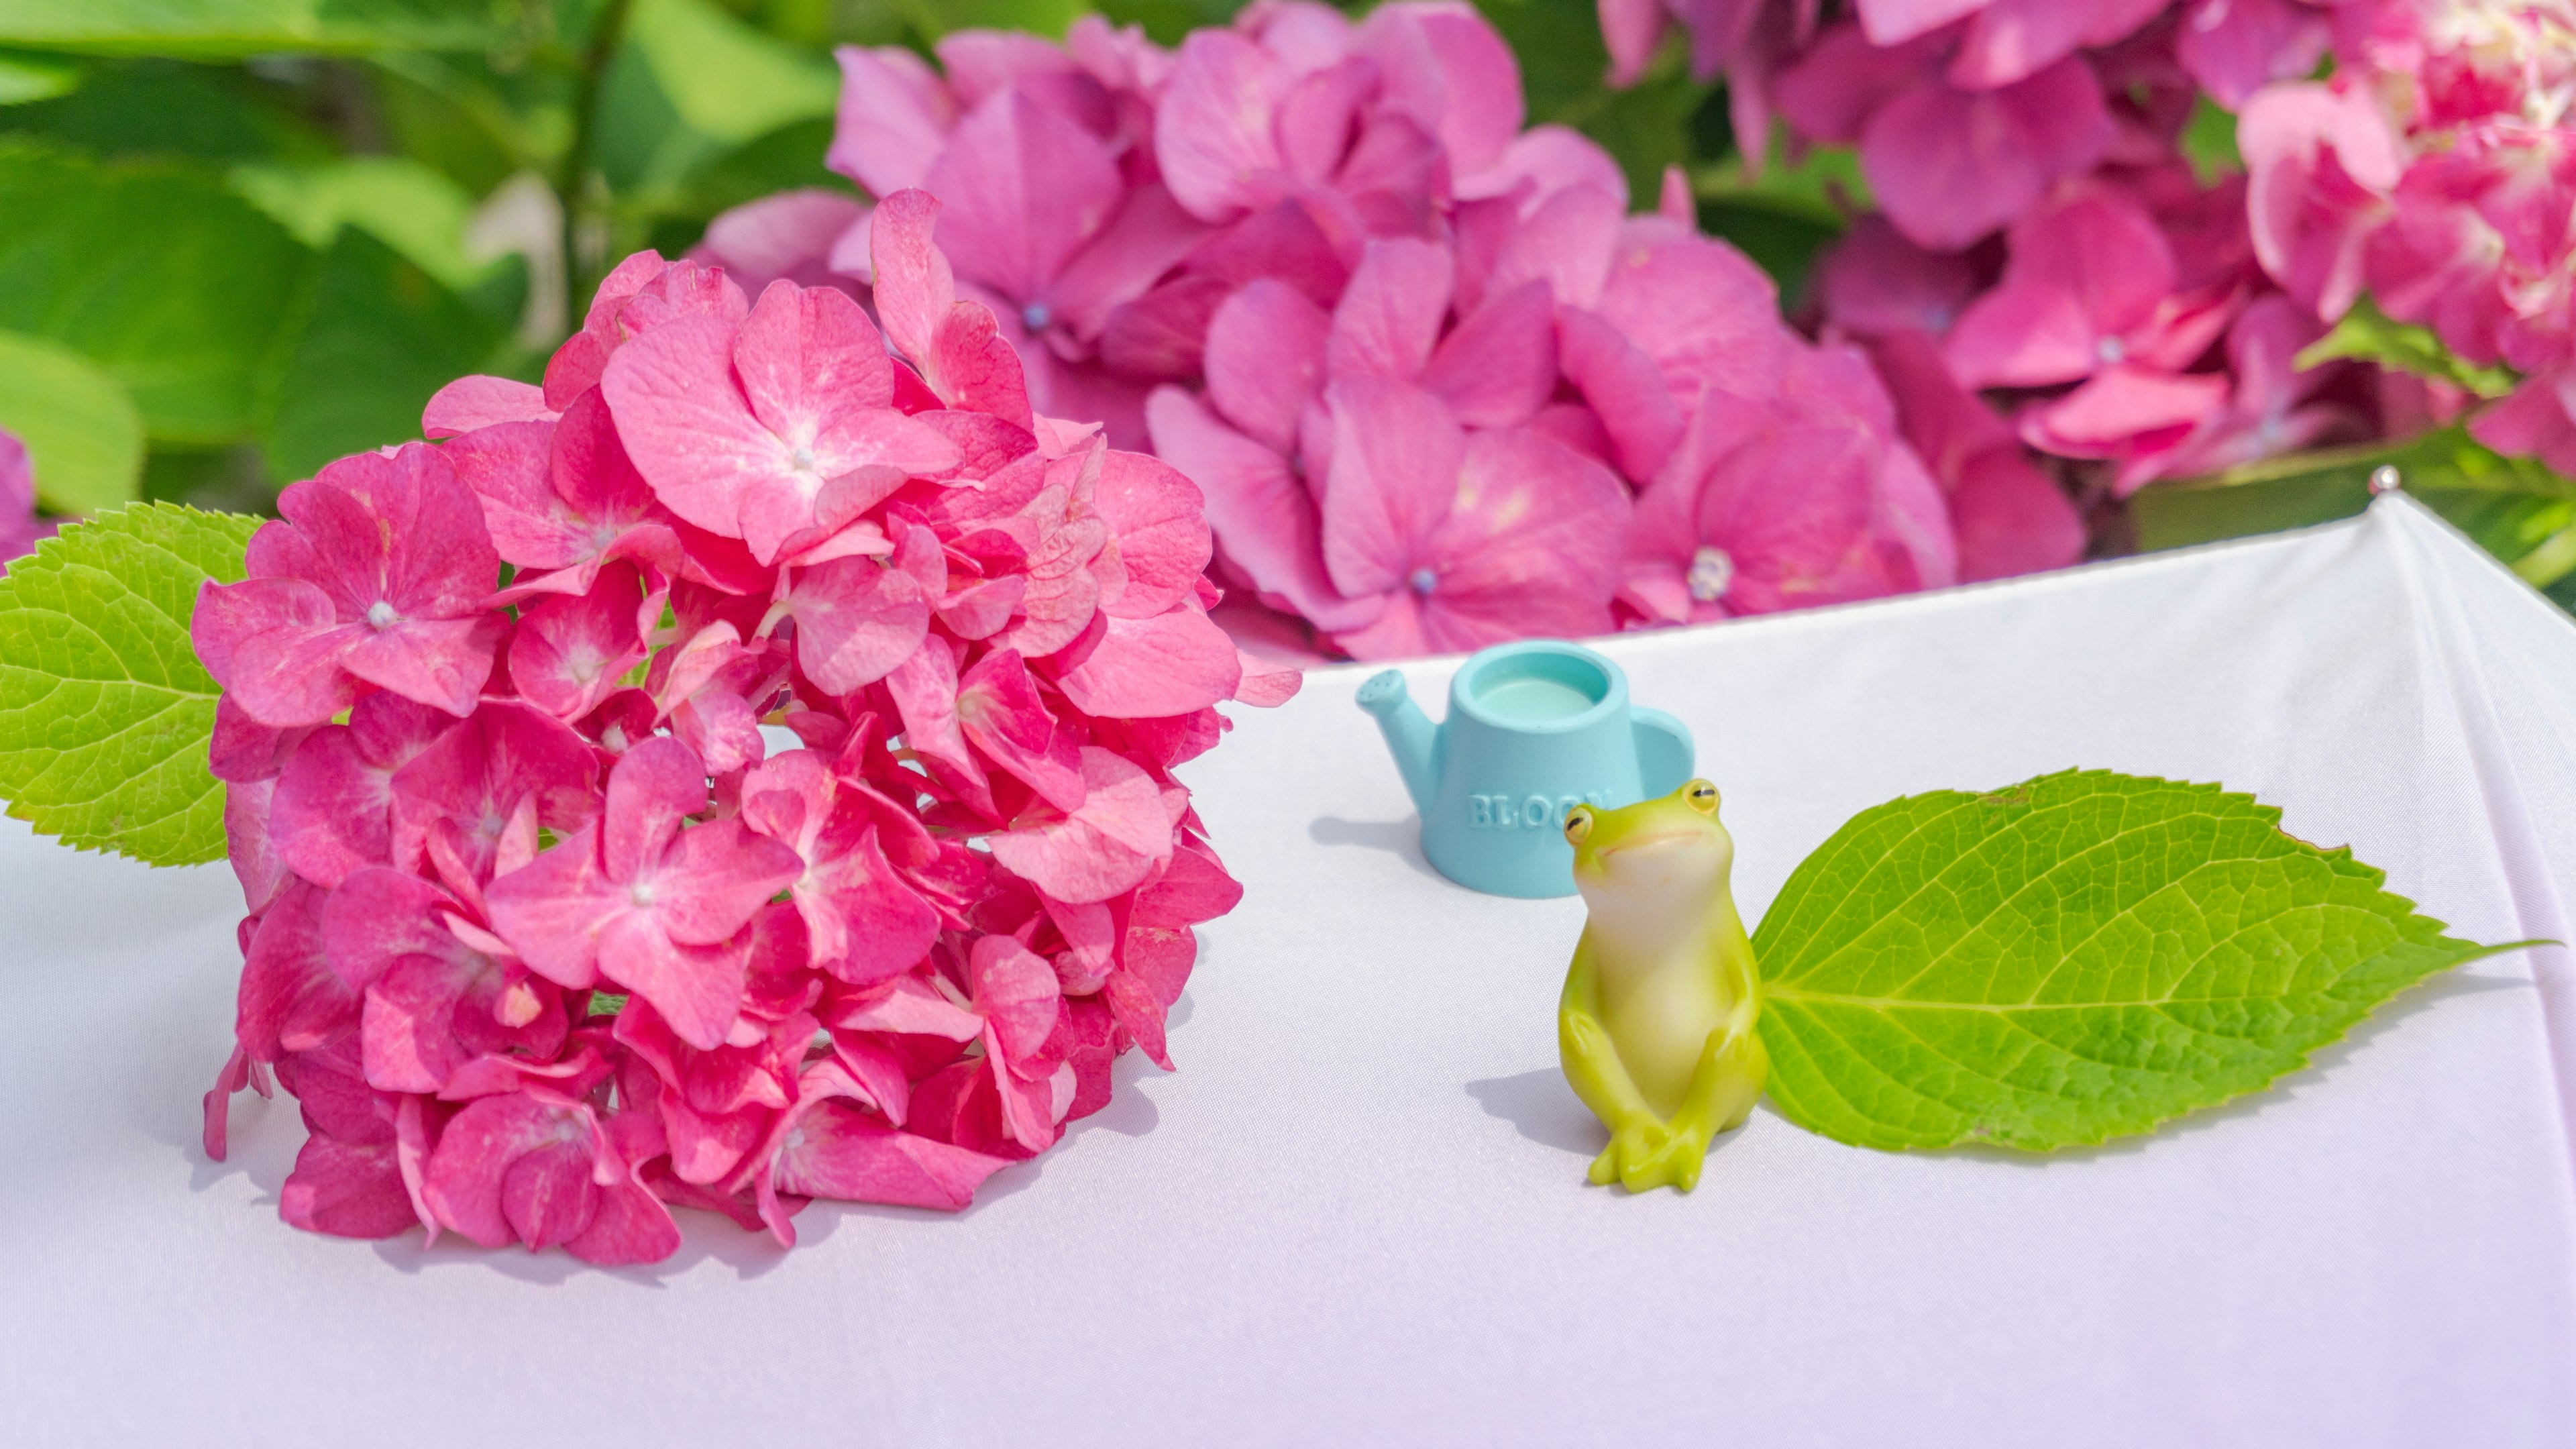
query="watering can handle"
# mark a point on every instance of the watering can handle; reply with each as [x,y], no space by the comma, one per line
[1663,751]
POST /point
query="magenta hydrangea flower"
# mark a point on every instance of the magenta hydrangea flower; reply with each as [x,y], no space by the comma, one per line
[548,939]
[378,575]
[20,529]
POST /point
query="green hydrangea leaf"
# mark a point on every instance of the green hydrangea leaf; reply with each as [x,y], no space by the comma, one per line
[84,439]
[104,711]
[2076,958]
[2373,336]
[171,284]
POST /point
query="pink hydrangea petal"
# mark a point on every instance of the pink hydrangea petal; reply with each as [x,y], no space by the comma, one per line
[894,119]
[1166,664]
[571,651]
[1444,66]
[787,236]
[1498,367]
[1158,519]
[507,467]
[1550,158]
[1390,317]
[468,1170]
[1873,281]
[1944,189]
[813,368]
[1886,22]
[855,621]
[2121,407]
[346,1189]
[2011,39]
[1700,308]
[846,1157]
[1396,452]
[478,401]
[1532,545]
[2538,420]
[914,284]
[1265,359]
[1256,508]
[1000,712]
[1630,30]
[1213,138]
[1022,192]
[2234,48]
[1567,242]
[1105,847]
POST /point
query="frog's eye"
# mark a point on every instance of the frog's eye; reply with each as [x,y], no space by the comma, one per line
[1578,824]
[1702,796]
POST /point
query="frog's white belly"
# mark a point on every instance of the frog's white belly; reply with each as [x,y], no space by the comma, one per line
[1660,1017]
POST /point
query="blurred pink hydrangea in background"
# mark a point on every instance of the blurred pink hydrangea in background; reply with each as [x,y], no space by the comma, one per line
[1439,387]
[2041,231]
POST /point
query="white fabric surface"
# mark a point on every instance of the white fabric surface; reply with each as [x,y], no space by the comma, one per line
[1357,1213]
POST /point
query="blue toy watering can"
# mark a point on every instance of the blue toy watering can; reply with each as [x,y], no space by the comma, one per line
[1534,729]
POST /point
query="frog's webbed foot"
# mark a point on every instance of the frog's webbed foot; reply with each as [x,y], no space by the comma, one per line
[1674,1164]
[1629,1146]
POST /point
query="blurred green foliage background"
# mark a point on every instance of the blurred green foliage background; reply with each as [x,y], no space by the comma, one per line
[239,238]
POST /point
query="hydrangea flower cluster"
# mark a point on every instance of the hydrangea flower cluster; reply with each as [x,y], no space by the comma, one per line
[547,938]
[1440,388]
[20,529]
[2437,172]
[2043,240]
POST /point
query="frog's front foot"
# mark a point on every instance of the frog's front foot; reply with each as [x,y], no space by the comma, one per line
[1630,1147]
[1675,1163]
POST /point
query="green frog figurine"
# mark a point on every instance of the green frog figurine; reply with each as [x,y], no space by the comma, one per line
[1656,1028]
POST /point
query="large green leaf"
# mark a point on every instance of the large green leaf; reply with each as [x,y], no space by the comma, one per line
[382,335]
[727,80]
[81,431]
[158,274]
[2446,468]
[218,28]
[2079,957]
[104,711]
[411,208]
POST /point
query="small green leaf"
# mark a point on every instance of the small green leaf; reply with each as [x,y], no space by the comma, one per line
[2372,335]
[82,433]
[727,80]
[2209,141]
[25,78]
[104,711]
[2076,958]
[210,29]
[406,205]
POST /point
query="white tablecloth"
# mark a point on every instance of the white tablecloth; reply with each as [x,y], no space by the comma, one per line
[1357,1213]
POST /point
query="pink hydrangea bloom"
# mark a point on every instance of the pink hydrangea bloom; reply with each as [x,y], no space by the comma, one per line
[20,529]
[547,939]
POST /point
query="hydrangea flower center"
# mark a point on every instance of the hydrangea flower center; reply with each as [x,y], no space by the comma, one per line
[2111,350]
[1712,569]
[1036,316]
[803,458]
[381,615]
[1423,582]
[641,893]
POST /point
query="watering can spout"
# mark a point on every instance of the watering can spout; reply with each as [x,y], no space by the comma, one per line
[1411,737]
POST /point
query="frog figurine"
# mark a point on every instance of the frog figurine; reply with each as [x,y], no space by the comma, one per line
[1656,1027]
